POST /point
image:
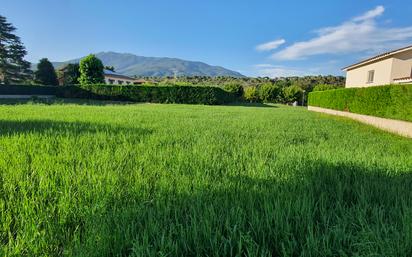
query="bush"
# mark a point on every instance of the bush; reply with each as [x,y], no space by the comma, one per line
[153,94]
[391,101]
[324,87]
[269,92]
[234,88]
[292,94]
[252,95]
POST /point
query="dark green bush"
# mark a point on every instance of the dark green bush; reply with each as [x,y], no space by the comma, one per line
[153,94]
[27,90]
[391,101]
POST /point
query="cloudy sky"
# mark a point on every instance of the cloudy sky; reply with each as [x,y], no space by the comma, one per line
[257,38]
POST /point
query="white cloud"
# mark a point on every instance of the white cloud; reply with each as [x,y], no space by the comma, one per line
[359,34]
[275,71]
[271,45]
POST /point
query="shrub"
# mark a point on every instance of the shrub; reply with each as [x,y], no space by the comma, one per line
[391,101]
[269,92]
[324,87]
[91,70]
[292,93]
[234,88]
[251,95]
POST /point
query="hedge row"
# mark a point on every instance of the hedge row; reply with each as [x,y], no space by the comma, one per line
[391,101]
[153,94]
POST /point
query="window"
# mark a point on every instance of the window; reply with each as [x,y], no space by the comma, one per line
[111,81]
[120,82]
[127,82]
[371,75]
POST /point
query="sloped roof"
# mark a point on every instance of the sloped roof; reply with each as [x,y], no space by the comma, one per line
[110,73]
[378,57]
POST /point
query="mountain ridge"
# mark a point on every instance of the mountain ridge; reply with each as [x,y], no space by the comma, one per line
[135,65]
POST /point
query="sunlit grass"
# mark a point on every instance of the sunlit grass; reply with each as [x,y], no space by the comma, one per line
[182,180]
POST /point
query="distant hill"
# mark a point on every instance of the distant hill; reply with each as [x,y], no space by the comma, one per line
[131,65]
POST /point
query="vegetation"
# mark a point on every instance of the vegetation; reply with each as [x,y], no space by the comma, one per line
[392,101]
[252,95]
[13,67]
[45,73]
[270,93]
[91,70]
[132,93]
[323,87]
[69,74]
[178,180]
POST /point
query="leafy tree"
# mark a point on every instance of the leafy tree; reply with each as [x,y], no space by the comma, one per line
[292,94]
[251,95]
[110,68]
[69,74]
[91,70]
[13,67]
[269,92]
[235,88]
[45,73]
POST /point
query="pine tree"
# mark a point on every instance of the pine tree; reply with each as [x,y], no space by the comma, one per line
[45,73]
[13,67]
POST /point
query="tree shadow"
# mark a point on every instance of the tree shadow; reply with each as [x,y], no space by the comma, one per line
[323,210]
[246,104]
[53,127]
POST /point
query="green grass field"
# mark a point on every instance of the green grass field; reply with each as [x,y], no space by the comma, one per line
[182,180]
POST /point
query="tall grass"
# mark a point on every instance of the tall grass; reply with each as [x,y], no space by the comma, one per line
[181,180]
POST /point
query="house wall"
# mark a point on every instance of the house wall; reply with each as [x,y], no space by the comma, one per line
[117,80]
[402,65]
[358,77]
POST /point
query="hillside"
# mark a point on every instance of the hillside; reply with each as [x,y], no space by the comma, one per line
[131,65]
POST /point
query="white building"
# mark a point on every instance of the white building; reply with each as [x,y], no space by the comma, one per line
[113,78]
[394,67]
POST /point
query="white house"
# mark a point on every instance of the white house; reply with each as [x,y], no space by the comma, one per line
[394,67]
[113,78]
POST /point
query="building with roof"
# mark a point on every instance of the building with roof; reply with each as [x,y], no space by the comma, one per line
[113,78]
[394,67]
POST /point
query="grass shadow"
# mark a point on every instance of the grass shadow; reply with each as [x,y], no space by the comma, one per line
[62,101]
[324,210]
[246,104]
[19,127]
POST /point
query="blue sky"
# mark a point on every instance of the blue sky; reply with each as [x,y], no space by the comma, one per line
[256,38]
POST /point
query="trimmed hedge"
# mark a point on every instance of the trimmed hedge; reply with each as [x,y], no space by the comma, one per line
[391,101]
[133,93]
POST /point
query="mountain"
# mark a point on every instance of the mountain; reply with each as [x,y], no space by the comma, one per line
[131,65]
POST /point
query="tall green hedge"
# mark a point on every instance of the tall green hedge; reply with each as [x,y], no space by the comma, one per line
[153,94]
[391,101]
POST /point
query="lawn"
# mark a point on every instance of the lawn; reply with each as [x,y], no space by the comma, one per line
[185,180]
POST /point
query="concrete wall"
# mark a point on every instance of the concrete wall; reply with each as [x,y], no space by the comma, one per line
[399,127]
[358,77]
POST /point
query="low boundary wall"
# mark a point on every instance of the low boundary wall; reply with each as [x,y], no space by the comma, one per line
[403,128]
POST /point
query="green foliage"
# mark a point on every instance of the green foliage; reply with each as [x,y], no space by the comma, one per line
[324,87]
[132,93]
[45,73]
[391,101]
[13,68]
[292,93]
[234,88]
[69,74]
[110,68]
[252,95]
[81,179]
[269,92]
[91,70]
